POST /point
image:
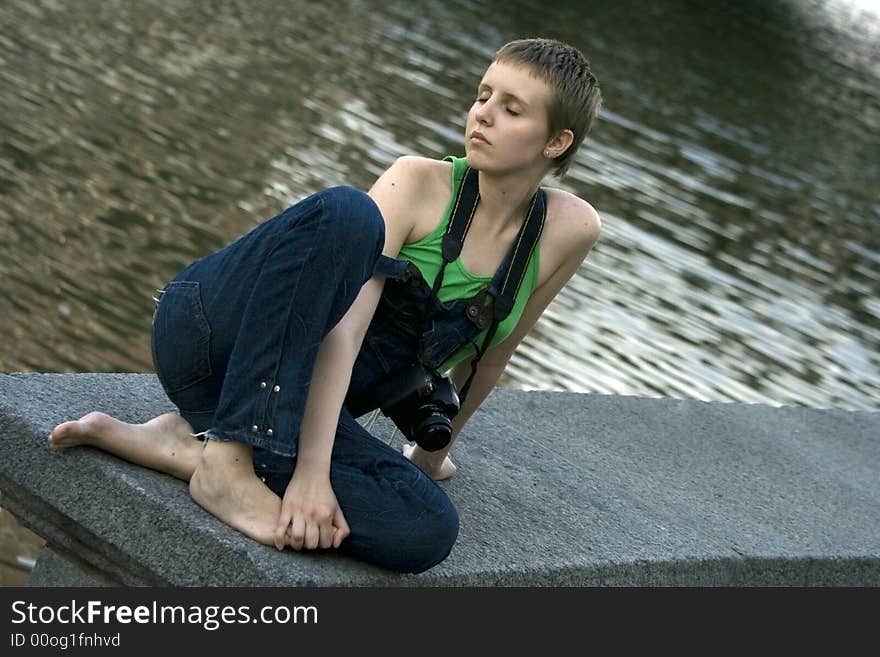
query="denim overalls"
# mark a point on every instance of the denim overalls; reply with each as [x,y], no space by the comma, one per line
[235,337]
[411,323]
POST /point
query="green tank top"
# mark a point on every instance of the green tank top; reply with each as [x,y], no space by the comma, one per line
[458,282]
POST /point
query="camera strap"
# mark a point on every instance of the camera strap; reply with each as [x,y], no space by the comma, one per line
[493,304]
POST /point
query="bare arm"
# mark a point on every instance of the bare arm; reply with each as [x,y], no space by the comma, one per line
[337,353]
[585,228]
[309,509]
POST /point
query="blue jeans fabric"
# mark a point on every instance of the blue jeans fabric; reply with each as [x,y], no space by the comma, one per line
[235,337]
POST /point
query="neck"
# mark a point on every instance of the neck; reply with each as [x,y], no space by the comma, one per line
[505,199]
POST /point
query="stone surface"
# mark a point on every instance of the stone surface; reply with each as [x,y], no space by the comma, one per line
[552,489]
[54,569]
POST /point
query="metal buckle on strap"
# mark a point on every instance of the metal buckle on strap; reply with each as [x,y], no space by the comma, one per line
[481,308]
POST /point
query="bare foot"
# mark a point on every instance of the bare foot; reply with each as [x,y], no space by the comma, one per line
[225,484]
[165,443]
[427,461]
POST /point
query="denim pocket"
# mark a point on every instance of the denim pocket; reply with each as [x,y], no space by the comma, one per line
[181,337]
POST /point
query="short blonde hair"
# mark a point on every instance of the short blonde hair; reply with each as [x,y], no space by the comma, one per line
[576,94]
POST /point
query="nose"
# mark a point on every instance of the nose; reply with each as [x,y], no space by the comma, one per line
[483,113]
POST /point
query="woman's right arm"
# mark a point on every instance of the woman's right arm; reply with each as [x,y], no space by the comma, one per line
[309,509]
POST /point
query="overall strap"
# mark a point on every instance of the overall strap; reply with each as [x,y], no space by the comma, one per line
[517,260]
[499,299]
[462,214]
[493,304]
[396,270]
[466,202]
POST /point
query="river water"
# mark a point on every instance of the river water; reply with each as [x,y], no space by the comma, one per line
[735,166]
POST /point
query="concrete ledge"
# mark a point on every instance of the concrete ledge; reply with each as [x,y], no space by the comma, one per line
[552,489]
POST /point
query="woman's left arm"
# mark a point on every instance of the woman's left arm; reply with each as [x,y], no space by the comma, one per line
[571,245]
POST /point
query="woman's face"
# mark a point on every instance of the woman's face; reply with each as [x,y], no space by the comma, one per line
[510,119]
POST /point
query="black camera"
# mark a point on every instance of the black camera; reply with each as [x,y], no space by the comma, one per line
[422,405]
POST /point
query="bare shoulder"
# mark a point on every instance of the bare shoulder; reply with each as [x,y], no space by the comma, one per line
[414,174]
[405,192]
[414,191]
[570,231]
[426,166]
[571,220]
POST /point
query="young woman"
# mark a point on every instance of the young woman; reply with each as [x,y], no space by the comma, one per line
[262,344]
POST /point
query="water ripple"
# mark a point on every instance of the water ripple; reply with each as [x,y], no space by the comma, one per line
[738,260]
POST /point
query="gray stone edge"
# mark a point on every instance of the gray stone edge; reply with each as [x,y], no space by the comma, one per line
[112,564]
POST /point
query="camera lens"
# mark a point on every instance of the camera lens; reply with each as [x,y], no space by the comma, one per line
[434,431]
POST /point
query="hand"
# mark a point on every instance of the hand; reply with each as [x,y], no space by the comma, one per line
[430,464]
[310,514]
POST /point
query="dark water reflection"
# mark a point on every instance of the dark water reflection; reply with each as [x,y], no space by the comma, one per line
[735,167]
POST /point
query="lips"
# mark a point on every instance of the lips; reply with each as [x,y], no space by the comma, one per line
[476,135]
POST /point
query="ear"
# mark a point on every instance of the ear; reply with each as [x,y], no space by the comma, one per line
[558,144]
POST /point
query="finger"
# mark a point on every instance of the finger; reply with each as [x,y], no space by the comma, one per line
[342,529]
[313,535]
[327,534]
[297,533]
[281,530]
